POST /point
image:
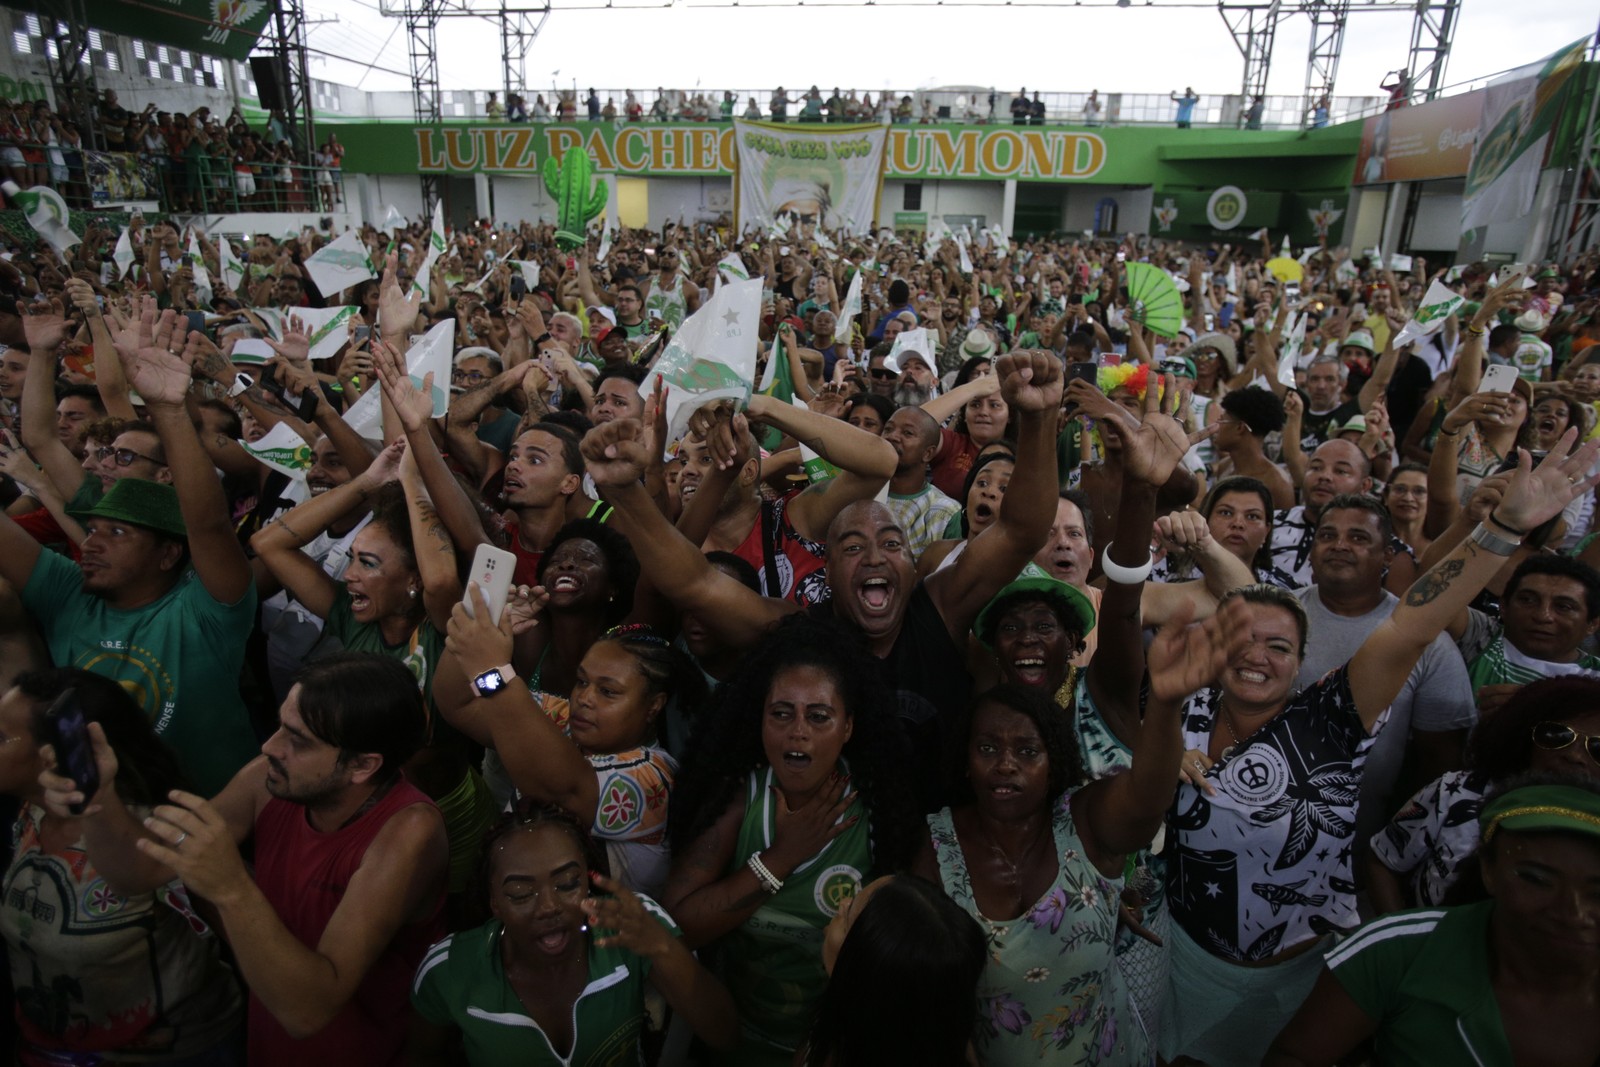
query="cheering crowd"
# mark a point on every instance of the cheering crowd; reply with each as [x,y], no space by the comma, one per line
[1039,682]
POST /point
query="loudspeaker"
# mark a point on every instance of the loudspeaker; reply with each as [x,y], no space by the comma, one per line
[264,69]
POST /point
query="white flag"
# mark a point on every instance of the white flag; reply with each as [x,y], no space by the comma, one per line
[911,341]
[848,310]
[122,256]
[392,219]
[232,269]
[197,263]
[328,328]
[608,227]
[1259,235]
[436,247]
[336,267]
[1438,304]
[282,449]
[431,353]
[530,272]
[1289,355]
[1399,262]
[961,249]
[713,355]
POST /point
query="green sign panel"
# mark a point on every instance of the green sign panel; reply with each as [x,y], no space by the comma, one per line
[227,28]
[1107,156]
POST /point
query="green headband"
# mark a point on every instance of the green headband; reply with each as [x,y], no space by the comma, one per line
[1542,807]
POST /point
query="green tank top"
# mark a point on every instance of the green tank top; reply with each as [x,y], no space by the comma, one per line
[670,302]
[773,963]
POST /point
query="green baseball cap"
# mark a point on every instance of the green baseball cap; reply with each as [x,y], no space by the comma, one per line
[1533,808]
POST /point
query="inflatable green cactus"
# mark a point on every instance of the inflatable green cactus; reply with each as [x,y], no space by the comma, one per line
[576,202]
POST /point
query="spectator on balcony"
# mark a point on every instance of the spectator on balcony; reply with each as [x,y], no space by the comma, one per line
[12,137]
[660,110]
[927,111]
[902,110]
[729,102]
[112,119]
[541,110]
[1036,111]
[1020,108]
[1252,118]
[752,111]
[632,108]
[1399,89]
[1319,113]
[1091,108]
[593,104]
[609,112]
[569,106]
[516,108]
[1186,104]
[780,105]
[493,109]
[811,106]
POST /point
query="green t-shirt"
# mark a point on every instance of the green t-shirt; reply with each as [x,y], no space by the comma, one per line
[500,433]
[1424,976]
[772,964]
[420,651]
[179,657]
[461,983]
[87,495]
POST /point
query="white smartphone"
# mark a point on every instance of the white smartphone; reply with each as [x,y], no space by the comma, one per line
[492,569]
[1499,378]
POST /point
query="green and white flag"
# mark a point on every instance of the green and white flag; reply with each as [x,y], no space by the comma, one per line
[436,247]
[46,212]
[1437,305]
[282,449]
[122,255]
[730,268]
[336,267]
[431,354]
[232,269]
[328,328]
[1293,344]
[713,354]
[392,219]
[530,272]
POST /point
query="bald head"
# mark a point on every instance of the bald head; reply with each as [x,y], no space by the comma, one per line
[1336,467]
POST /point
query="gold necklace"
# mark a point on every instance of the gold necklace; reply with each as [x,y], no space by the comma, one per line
[1227,722]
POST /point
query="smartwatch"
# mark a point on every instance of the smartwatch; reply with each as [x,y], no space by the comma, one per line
[493,680]
[241,384]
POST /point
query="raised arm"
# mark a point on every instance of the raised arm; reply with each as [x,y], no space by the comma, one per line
[542,762]
[108,377]
[1379,668]
[615,455]
[1383,371]
[1031,383]
[435,551]
[45,329]
[1221,571]
[161,375]
[865,461]
[946,405]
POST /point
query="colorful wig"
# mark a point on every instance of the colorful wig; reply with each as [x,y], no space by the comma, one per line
[1134,377]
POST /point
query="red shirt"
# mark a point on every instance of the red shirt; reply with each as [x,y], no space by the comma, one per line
[527,572]
[952,462]
[795,563]
[303,873]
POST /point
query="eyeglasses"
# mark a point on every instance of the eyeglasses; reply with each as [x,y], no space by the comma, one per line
[124,457]
[1555,736]
[472,376]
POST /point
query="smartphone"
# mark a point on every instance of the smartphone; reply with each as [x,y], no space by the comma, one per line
[492,569]
[362,333]
[1499,378]
[74,750]
[519,286]
[1088,372]
[197,320]
[655,314]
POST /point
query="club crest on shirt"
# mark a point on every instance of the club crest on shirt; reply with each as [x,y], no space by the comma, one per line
[834,886]
[1258,775]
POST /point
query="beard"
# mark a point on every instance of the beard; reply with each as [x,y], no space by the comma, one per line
[910,394]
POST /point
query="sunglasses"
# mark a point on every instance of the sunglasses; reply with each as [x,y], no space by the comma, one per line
[124,457]
[1555,736]
[880,372]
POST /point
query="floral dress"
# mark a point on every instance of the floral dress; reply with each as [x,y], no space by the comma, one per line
[1052,991]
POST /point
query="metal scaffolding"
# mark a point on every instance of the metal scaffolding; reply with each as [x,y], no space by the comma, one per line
[70,79]
[294,76]
[518,30]
[1254,26]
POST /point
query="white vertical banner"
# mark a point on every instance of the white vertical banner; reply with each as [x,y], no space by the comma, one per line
[830,178]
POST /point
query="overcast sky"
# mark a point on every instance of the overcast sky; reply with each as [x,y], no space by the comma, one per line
[1154,48]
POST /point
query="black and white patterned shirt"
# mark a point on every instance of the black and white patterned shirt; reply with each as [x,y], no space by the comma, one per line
[1265,864]
[1428,839]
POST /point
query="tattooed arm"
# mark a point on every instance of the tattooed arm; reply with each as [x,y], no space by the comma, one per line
[430,540]
[1379,668]
[706,902]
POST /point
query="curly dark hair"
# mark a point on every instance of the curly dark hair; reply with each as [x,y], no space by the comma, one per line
[1502,744]
[1258,409]
[389,512]
[526,814]
[728,740]
[982,461]
[1055,730]
[622,566]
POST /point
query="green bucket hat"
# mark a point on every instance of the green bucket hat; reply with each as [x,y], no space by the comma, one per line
[153,505]
[1034,579]
[1533,808]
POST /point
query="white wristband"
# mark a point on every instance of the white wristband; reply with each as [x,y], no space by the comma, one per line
[1115,572]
